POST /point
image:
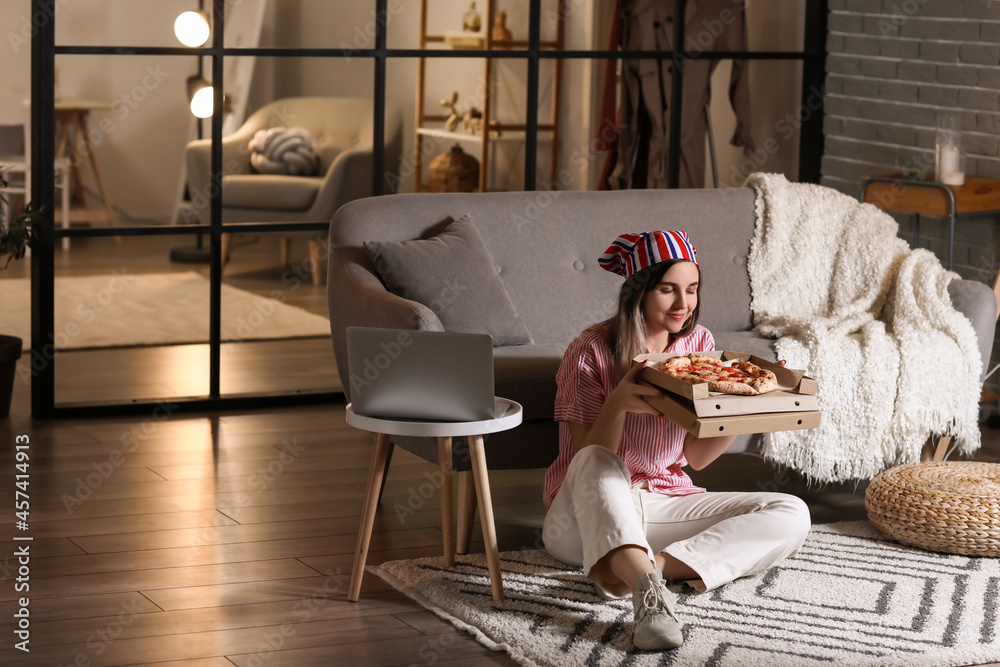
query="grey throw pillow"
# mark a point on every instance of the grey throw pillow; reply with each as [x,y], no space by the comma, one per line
[453,275]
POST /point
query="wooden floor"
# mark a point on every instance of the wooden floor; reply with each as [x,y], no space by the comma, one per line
[227,539]
[180,371]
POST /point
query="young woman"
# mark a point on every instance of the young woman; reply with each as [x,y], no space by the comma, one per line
[619,502]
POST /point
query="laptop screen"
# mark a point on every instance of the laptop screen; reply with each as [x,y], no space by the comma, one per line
[420,375]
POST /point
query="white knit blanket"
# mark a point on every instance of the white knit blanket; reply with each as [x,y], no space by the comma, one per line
[871,321]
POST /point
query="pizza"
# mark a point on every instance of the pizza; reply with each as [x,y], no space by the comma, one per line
[742,378]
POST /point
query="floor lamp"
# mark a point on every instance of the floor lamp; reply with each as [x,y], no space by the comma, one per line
[193,29]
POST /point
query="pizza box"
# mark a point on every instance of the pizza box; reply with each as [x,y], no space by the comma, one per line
[679,410]
[796,392]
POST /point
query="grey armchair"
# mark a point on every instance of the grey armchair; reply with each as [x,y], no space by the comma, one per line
[341,129]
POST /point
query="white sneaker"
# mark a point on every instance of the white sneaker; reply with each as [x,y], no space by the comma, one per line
[656,626]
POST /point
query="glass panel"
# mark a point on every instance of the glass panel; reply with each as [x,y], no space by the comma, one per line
[579,158]
[769,117]
[122,137]
[446,20]
[453,95]
[130,325]
[400,160]
[305,176]
[777,25]
[554,119]
[769,25]
[320,24]
[274,291]
[115,22]
[776,116]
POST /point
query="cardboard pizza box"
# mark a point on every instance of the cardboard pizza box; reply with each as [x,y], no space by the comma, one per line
[796,392]
[679,410]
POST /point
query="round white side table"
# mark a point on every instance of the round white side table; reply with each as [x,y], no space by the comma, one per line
[509,415]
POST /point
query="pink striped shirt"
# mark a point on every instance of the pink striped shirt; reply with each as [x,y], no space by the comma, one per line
[652,446]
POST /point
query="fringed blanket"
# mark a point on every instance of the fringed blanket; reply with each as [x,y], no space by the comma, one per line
[871,320]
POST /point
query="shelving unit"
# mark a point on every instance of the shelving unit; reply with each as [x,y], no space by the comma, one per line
[492,130]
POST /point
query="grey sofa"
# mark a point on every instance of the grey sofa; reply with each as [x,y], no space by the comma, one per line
[545,247]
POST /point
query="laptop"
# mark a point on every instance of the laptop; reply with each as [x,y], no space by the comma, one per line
[420,375]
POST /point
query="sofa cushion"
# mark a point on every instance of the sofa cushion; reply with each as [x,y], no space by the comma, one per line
[453,274]
[270,191]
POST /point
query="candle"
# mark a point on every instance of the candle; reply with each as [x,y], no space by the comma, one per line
[949,169]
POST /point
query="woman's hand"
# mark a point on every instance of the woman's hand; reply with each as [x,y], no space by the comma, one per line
[627,396]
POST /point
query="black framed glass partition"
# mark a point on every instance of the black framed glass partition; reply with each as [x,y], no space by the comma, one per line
[538,83]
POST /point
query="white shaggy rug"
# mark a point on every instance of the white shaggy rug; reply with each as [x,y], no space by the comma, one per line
[849,598]
[125,309]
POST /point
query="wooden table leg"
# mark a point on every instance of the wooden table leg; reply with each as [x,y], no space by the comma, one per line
[447,516]
[68,130]
[385,472]
[62,141]
[942,448]
[316,259]
[481,474]
[375,473]
[109,212]
[935,451]
[466,509]
[64,170]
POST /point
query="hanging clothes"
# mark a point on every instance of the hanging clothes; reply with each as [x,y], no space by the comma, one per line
[639,157]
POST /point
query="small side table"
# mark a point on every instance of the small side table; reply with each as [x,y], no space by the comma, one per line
[71,123]
[893,192]
[509,415]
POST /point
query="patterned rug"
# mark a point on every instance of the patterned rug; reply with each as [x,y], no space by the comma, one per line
[848,598]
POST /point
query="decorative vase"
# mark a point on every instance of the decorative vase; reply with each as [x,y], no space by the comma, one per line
[10,352]
[454,171]
[501,34]
[471,21]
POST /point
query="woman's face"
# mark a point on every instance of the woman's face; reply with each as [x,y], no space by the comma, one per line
[673,300]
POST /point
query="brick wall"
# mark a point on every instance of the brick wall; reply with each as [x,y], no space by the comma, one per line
[893,65]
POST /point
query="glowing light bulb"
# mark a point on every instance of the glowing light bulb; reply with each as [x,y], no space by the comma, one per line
[202,102]
[192,28]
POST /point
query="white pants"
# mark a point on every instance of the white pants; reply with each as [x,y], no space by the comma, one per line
[721,536]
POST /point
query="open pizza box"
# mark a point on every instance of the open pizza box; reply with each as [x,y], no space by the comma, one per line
[703,413]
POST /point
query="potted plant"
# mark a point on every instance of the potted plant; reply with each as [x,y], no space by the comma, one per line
[15,239]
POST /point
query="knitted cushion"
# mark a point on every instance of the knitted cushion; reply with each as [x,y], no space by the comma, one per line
[283,150]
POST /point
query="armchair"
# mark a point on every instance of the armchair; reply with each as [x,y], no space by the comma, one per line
[342,131]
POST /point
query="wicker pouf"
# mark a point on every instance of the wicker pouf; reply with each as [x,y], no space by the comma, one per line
[952,507]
